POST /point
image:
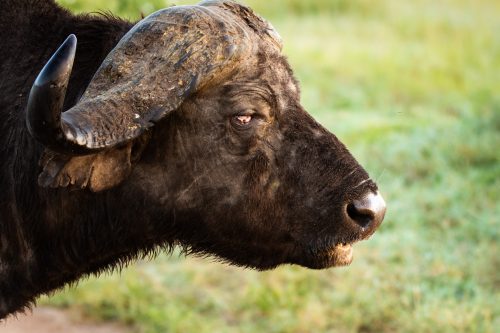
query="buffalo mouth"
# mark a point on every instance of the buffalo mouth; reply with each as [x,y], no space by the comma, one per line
[335,255]
[363,217]
[341,254]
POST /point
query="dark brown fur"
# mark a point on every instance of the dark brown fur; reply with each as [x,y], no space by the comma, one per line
[271,193]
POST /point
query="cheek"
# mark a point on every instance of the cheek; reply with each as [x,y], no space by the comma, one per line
[239,183]
[258,171]
[263,184]
[240,142]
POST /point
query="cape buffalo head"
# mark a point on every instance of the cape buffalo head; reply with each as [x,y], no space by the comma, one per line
[197,115]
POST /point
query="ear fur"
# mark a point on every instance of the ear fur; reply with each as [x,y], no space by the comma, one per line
[97,172]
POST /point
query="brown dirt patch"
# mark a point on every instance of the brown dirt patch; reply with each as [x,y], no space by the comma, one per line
[49,320]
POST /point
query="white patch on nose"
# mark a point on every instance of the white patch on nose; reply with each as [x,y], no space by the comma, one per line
[373,202]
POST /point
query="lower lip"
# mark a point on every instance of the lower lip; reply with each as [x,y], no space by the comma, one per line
[343,253]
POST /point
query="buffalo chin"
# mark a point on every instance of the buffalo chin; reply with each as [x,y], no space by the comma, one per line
[341,255]
[336,256]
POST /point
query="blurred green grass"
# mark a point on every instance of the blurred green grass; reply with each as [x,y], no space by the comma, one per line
[412,88]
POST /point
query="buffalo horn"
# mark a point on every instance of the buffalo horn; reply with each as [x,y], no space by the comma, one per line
[46,100]
[164,59]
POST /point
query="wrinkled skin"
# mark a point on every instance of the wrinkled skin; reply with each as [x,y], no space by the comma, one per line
[210,151]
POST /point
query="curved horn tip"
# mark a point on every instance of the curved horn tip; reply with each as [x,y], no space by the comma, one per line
[46,99]
[60,64]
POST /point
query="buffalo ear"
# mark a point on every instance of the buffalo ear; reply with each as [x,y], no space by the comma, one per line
[97,172]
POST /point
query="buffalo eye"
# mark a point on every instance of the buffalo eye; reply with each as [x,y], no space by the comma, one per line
[242,121]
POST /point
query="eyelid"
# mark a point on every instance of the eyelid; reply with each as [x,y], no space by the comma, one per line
[247,112]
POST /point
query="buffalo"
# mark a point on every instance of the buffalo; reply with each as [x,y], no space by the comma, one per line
[184,129]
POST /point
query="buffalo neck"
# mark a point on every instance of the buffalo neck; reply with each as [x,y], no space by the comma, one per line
[49,237]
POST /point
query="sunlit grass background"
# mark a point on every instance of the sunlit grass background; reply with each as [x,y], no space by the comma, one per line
[413,89]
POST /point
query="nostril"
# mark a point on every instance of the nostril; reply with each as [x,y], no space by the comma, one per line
[368,211]
[361,215]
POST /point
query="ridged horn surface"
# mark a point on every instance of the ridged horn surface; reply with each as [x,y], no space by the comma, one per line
[159,63]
